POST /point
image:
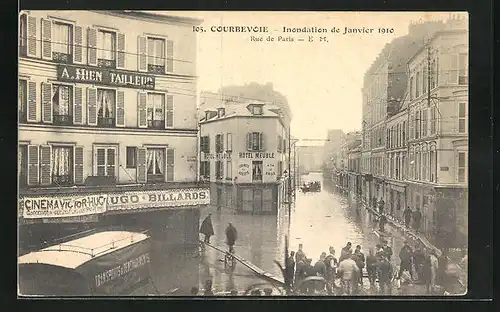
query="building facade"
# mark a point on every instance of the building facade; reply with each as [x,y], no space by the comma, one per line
[309,158]
[104,137]
[438,134]
[244,154]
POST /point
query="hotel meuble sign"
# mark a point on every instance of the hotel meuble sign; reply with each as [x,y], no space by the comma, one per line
[105,76]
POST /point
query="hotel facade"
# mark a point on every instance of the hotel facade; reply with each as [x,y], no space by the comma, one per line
[106,137]
[244,155]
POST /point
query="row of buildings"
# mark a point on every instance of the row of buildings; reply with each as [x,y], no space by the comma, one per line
[110,132]
[413,147]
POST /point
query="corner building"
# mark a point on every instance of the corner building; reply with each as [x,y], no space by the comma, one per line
[106,137]
[244,148]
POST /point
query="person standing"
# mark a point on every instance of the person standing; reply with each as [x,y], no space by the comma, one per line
[385,273]
[330,273]
[346,252]
[290,268]
[418,262]
[427,272]
[387,250]
[381,206]
[348,272]
[405,255]
[320,266]
[371,267]
[407,216]
[207,228]
[300,254]
[359,258]
[231,236]
[335,264]
[300,272]
[417,218]
[382,222]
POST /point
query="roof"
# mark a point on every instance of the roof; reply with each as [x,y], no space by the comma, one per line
[77,252]
[241,110]
[156,16]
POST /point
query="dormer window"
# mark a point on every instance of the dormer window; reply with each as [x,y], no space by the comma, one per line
[210,114]
[256,109]
[221,112]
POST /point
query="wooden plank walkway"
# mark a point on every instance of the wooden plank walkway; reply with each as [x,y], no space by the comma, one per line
[249,265]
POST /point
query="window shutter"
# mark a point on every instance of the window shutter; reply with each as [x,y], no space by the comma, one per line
[45,168]
[142,57]
[169,115]
[120,47]
[33,165]
[32,42]
[92,46]
[78,167]
[170,57]
[222,143]
[141,165]
[92,106]
[261,141]
[207,142]
[46,39]
[31,101]
[229,145]
[142,119]
[170,164]
[249,141]
[120,109]
[47,102]
[78,45]
[77,105]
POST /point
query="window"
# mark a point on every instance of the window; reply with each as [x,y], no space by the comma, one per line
[417,85]
[424,123]
[156,110]
[62,165]
[255,141]
[229,143]
[205,144]
[432,164]
[256,170]
[403,135]
[219,143]
[131,157]
[411,88]
[433,120]
[284,145]
[106,161]
[221,112]
[23,100]
[434,73]
[62,42]
[462,69]
[280,143]
[229,170]
[106,48]
[425,158]
[156,55]
[205,169]
[425,80]
[106,107]
[23,35]
[22,165]
[62,101]
[403,167]
[418,164]
[417,125]
[462,127]
[257,109]
[462,167]
[155,162]
[219,169]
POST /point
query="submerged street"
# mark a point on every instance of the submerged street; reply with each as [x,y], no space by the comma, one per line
[319,220]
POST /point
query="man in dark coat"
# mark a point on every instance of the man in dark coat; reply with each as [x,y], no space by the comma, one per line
[320,266]
[231,236]
[206,228]
[381,206]
[371,267]
[417,218]
[382,222]
[300,254]
[405,255]
[290,268]
[407,216]
[359,258]
[385,273]
[345,252]
[387,250]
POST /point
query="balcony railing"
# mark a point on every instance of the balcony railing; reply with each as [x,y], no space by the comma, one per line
[156,69]
[108,122]
[61,180]
[156,124]
[156,178]
[106,63]
[63,120]
[62,57]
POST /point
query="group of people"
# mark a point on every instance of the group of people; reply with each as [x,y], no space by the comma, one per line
[207,230]
[408,216]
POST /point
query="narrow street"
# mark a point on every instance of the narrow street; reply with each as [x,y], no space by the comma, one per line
[319,220]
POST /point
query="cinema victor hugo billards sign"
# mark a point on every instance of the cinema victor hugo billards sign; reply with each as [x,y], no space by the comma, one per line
[104,76]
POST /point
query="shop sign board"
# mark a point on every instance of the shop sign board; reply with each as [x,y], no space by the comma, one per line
[62,206]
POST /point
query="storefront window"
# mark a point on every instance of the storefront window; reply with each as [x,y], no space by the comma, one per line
[256,170]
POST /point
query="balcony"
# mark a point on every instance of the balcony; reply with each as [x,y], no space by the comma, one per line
[106,63]
[156,178]
[156,124]
[62,57]
[62,180]
[63,120]
[106,122]
[156,69]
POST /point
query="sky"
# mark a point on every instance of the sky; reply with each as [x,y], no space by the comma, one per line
[321,80]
